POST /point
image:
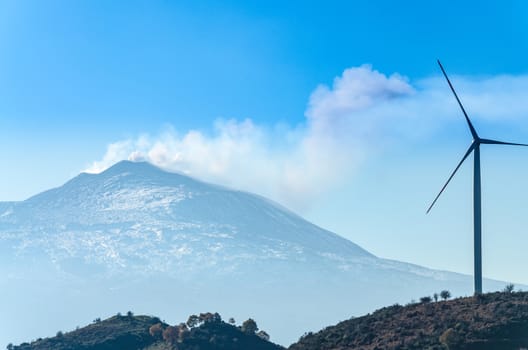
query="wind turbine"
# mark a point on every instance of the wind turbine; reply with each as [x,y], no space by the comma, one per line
[477,222]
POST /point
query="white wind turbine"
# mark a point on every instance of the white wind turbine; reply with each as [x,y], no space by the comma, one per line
[477,217]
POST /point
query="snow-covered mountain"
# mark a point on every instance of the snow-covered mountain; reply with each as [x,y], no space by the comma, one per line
[114,240]
[136,218]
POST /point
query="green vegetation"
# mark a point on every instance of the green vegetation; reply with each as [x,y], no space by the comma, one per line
[509,288]
[249,326]
[206,331]
[426,299]
[445,294]
[116,332]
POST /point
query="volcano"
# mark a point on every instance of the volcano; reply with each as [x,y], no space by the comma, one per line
[136,237]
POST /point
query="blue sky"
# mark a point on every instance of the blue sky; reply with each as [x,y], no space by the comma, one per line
[206,87]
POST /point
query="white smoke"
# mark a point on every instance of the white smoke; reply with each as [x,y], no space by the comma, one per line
[362,112]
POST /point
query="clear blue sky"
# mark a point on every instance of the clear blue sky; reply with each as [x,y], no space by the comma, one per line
[76,76]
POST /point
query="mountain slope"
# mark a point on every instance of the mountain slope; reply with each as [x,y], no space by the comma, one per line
[135,236]
[134,332]
[134,206]
[496,321]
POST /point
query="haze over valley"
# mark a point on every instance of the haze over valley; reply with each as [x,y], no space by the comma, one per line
[138,237]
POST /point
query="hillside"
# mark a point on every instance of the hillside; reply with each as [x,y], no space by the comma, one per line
[117,239]
[139,332]
[494,321]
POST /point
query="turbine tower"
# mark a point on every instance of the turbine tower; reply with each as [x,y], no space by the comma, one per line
[477,222]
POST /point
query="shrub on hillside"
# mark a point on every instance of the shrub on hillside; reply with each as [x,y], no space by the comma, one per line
[210,317]
[249,326]
[263,335]
[425,300]
[193,321]
[171,334]
[156,331]
[509,288]
[183,331]
[445,294]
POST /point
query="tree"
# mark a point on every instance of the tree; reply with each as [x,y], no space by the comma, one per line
[210,317]
[216,318]
[249,326]
[10,346]
[193,321]
[445,294]
[426,299]
[263,335]
[156,331]
[231,321]
[183,331]
[435,296]
[130,314]
[509,288]
[205,317]
[171,334]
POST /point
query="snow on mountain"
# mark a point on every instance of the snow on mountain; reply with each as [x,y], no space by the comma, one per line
[115,239]
[135,216]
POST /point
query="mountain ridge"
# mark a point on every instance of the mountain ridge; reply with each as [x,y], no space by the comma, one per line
[136,230]
[493,321]
[139,192]
[150,333]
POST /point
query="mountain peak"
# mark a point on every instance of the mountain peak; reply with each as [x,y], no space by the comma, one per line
[140,196]
[124,233]
[139,172]
[132,166]
[128,167]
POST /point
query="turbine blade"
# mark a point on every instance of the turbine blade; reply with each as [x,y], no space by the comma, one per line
[471,128]
[495,142]
[470,149]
